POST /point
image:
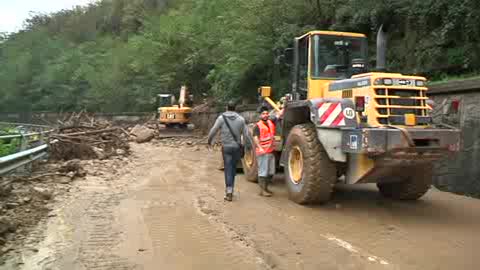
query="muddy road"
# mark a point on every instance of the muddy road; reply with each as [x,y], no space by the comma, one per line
[165,210]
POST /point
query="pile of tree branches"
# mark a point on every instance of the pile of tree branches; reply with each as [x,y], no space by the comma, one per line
[83,137]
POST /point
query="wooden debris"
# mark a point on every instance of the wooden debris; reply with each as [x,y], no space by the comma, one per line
[83,137]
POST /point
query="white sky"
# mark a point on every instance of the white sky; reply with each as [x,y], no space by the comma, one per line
[14,12]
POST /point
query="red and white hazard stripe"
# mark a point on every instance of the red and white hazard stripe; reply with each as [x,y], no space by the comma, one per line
[330,114]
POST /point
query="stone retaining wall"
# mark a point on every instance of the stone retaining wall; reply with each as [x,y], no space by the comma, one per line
[460,174]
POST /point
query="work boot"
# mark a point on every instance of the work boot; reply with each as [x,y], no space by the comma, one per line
[228,197]
[267,182]
[262,182]
[228,194]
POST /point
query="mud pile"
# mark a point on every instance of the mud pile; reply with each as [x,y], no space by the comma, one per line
[27,200]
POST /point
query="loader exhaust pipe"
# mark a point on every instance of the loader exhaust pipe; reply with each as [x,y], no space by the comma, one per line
[381,49]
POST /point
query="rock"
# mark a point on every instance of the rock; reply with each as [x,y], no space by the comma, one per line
[27,199]
[135,129]
[5,189]
[65,180]
[71,166]
[43,193]
[5,225]
[13,227]
[98,152]
[11,205]
[81,172]
[6,250]
[391,228]
[71,175]
[120,152]
[142,133]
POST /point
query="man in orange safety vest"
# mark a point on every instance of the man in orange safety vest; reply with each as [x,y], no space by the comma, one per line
[264,138]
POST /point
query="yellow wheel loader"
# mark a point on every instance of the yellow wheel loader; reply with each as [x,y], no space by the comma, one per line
[344,124]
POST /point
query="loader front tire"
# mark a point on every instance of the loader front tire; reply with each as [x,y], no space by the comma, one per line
[309,173]
[409,188]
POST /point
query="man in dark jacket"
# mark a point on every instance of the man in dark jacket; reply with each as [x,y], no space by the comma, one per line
[230,142]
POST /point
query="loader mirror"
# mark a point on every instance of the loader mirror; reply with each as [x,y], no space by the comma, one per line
[288,56]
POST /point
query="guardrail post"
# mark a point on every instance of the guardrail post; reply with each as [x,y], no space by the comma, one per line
[23,146]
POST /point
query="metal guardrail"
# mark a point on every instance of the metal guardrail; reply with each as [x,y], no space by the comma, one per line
[32,145]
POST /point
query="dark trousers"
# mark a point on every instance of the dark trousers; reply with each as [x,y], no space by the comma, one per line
[231,156]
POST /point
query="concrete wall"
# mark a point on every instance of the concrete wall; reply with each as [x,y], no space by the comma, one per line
[460,174]
[204,121]
[49,118]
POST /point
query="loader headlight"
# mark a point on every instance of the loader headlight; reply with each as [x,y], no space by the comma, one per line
[419,83]
[383,81]
[387,81]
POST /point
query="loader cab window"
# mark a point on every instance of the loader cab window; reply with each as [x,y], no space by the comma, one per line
[164,100]
[303,64]
[337,57]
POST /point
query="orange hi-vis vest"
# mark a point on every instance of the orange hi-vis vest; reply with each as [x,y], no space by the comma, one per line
[267,137]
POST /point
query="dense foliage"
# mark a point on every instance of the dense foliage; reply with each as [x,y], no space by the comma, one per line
[8,147]
[115,55]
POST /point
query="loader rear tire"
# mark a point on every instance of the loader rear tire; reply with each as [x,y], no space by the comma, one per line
[250,165]
[309,173]
[411,187]
[249,161]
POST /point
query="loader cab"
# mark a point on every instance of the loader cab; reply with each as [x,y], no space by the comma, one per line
[164,100]
[320,57]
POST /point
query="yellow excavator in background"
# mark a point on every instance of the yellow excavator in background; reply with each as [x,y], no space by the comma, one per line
[171,115]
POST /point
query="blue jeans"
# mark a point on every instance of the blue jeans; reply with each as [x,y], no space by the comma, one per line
[231,156]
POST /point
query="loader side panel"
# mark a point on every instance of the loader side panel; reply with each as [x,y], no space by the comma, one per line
[333,113]
[331,116]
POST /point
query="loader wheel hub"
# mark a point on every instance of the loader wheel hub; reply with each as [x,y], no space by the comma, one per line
[295,164]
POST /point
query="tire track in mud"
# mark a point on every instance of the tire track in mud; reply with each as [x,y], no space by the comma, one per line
[207,205]
[92,240]
[184,237]
[84,233]
[101,235]
[264,239]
